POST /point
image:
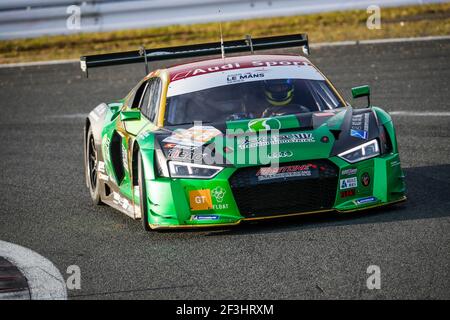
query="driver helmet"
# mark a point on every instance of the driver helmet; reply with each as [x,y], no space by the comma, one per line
[279,92]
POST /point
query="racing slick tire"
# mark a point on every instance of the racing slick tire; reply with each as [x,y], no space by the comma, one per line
[91,168]
[142,194]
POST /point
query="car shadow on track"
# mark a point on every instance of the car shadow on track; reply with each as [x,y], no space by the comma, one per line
[428,197]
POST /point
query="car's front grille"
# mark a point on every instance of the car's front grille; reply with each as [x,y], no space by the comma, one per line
[288,191]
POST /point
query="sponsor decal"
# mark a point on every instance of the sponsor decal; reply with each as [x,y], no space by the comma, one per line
[254,142]
[220,206]
[137,207]
[366,122]
[200,200]
[264,124]
[241,77]
[280,63]
[205,217]
[360,126]
[395,163]
[137,211]
[360,121]
[103,177]
[124,157]
[186,154]
[349,172]
[365,179]
[210,79]
[194,136]
[106,143]
[280,154]
[144,135]
[234,66]
[121,201]
[169,145]
[361,134]
[348,183]
[365,200]
[348,193]
[101,166]
[269,173]
[208,199]
[218,193]
[125,203]
[198,71]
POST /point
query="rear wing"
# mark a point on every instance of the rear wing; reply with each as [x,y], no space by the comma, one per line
[197,50]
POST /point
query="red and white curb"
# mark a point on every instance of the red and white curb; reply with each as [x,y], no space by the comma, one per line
[45,282]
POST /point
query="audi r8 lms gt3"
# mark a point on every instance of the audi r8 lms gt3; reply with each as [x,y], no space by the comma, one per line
[220,141]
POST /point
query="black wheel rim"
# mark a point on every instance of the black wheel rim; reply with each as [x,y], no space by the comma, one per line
[92,162]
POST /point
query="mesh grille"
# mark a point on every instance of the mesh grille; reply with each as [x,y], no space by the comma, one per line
[287,193]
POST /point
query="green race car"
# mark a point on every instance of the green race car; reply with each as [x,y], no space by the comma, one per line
[220,141]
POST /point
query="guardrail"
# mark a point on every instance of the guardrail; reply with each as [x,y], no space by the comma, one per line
[33,18]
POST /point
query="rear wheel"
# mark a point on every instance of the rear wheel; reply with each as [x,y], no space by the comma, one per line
[91,167]
[142,194]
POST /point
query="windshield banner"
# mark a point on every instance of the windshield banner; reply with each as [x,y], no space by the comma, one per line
[229,77]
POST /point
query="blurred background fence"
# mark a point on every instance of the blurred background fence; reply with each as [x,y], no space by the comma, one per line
[33,18]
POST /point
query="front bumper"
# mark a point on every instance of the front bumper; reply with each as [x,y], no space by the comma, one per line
[212,225]
[192,203]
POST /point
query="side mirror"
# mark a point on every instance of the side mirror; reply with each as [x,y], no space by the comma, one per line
[362,91]
[130,115]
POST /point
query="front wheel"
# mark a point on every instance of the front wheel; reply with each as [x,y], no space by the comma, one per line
[91,168]
[142,195]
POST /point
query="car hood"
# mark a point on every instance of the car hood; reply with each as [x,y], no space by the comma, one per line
[287,138]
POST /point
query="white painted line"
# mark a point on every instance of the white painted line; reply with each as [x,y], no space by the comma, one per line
[378,41]
[38,63]
[420,114]
[312,45]
[44,279]
[410,39]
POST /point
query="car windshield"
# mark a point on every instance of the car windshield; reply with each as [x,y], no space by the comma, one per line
[246,97]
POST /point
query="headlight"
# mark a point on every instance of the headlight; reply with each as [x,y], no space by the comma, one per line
[365,151]
[161,164]
[192,170]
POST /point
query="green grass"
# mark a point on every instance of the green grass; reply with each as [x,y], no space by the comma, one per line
[410,21]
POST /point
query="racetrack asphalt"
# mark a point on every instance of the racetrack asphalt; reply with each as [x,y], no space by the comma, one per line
[46,207]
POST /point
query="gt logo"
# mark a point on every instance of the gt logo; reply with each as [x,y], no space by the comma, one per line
[200,200]
[264,124]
